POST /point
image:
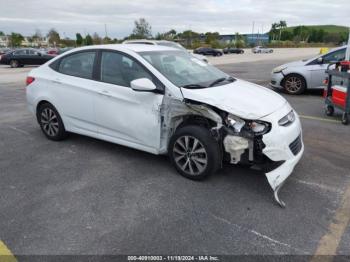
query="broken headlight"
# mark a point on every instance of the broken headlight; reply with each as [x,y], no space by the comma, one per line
[235,122]
[259,127]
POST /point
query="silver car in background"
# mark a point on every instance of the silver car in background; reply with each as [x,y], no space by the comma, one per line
[165,43]
[262,50]
[296,77]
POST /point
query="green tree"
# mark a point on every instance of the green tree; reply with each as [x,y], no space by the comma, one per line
[79,39]
[273,31]
[239,41]
[316,36]
[16,39]
[189,37]
[287,36]
[96,39]
[107,40]
[211,38]
[301,33]
[54,37]
[170,35]
[2,33]
[281,25]
[333,38]
[88,40]
[142,29]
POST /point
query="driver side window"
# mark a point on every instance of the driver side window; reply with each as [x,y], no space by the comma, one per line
[121,70]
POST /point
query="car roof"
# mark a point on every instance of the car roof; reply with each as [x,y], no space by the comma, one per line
[127,47]
[152,42]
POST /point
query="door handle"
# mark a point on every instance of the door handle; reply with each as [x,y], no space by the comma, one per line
[57,81]
[105,93]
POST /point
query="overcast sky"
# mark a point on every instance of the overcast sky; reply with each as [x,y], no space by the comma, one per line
[224,16]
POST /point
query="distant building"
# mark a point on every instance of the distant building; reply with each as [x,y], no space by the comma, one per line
[27,42]
[250,39]
[4,41]
[37,42]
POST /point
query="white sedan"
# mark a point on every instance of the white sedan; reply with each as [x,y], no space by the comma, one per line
[164,101]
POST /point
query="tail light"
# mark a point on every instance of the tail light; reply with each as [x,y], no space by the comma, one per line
[29,80]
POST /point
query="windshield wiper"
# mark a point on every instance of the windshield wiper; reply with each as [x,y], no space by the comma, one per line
[194,86]
[217,81]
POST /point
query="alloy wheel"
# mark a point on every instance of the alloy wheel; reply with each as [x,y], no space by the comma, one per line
[190,155]
[293,84]
[14,63]
[49,122]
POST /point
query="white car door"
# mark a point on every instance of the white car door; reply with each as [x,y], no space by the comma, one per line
[318,70]
[73,91]
[125,116]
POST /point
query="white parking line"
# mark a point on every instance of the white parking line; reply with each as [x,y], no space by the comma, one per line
[252,231]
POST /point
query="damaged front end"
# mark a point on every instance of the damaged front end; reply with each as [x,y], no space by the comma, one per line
[242,140]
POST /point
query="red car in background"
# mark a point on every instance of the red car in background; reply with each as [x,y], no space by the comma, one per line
[52,52]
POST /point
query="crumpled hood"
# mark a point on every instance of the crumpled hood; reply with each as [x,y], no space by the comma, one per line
[241,98]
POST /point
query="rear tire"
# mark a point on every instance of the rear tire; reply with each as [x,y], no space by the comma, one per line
[14,63]
[329,110]
[51,122]
[345,119]
[194,152]
[294,84]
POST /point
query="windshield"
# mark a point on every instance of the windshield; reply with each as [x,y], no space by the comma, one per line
[183,69]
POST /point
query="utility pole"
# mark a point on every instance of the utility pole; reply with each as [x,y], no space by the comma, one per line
[253,31]
[106,35]
[347,55]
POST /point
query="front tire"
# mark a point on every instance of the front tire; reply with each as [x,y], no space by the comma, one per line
[14,64]
[294,84]
[51,122]
[194,152]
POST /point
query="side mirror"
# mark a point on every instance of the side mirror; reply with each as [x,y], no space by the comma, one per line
[320,60]
[143,84]
[38,54]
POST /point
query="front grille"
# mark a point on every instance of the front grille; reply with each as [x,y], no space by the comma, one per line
[296,145]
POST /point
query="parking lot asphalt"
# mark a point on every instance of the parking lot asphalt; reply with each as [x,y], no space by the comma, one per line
[85,196]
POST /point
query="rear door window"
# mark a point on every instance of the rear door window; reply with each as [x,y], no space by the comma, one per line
[20,52]
[80,64]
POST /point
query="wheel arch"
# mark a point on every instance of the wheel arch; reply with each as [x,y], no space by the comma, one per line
[188,120]
[47,101]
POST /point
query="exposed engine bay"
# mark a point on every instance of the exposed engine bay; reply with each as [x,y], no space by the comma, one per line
[241,140]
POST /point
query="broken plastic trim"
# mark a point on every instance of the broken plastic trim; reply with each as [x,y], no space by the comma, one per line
[276,196]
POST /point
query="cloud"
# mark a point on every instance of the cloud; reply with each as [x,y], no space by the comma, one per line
[224,16]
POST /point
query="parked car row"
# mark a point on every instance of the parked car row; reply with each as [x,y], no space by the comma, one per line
[25,56]
[28,56]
